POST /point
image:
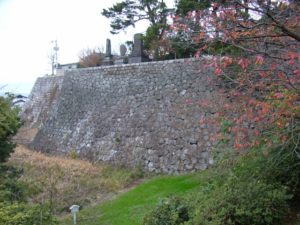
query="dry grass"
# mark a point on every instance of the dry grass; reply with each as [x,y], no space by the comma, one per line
[64,181]
[75,167]
[25,135]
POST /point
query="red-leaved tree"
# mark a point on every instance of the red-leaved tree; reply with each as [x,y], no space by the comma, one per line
[91,57]
[255,53]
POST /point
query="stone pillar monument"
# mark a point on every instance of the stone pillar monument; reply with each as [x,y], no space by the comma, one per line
[123,59]
[123,50]
[108,56]
[137,54]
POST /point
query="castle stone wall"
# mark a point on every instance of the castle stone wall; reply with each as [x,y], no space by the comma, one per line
[145,115]
[41,101]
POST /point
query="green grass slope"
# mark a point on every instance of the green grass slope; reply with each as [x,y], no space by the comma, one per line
[130,207]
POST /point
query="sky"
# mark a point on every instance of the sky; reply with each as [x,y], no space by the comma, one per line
[28,27]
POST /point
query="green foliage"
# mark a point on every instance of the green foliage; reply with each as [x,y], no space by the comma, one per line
[127,13]
[152,34]
[184,48]
[73,154]
[9,124]
[250,202]
[10,188]
[245,193]
[171,211]
[252,189]
[13,207]
[185,6]
[129,45]
[23,214]
[282,164]
[220,48]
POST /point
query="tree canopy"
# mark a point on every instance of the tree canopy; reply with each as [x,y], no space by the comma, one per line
[186,6]
[129,12]
[91,57]
[258,64]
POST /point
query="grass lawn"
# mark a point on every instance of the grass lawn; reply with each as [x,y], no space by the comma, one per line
[129,208]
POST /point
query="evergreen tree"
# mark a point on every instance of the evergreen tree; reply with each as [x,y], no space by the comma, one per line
[129,12]
[9,124]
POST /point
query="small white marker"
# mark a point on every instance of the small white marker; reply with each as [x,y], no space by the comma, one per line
[74,209]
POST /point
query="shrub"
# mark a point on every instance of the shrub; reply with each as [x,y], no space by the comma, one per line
[24,214]
[13,207]
[244,190]
[252,189]
[172,211]
[283,165]
[10,188]
[242,202]
[73,154]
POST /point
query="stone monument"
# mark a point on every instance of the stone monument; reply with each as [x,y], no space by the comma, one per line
[123,50]
[137,54]
[108,48]
[108,56]
[123,59]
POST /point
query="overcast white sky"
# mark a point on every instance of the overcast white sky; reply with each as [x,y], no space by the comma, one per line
[27,28]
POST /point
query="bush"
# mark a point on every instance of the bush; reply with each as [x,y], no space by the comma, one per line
[24,214]
[172,211]
[245,190]
[283,165]
[253,189]
[13,207]
[242,202]
[10,188]
[73,154]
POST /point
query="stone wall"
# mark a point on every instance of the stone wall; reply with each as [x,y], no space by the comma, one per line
[41,101]
[144,115]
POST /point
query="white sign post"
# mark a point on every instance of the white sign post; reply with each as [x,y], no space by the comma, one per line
[74,209]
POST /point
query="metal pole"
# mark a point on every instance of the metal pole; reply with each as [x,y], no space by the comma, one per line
[74,218]
[74,209]
[54,56]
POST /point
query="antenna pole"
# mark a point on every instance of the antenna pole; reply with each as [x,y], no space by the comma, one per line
[54,56]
